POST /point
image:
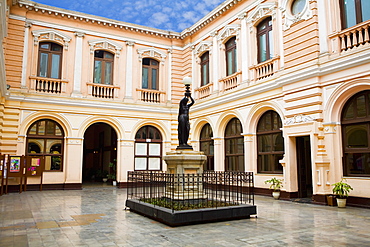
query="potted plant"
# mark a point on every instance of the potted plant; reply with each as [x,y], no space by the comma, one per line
[112,174]
[276,184]
[341,190]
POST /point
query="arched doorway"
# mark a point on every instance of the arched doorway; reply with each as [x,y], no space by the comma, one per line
[207,146]
[234,146]
[99,153]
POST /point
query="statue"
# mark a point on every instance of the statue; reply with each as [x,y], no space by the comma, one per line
[183,128]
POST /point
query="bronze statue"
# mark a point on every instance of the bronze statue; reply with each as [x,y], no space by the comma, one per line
[184,124]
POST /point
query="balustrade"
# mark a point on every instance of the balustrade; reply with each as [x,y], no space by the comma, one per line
[204,91]
[231,81]
[265,69]
[151,96]
[102,90]
[48,85]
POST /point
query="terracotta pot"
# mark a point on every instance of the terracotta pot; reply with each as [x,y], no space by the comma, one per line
[276,194]
[341,202]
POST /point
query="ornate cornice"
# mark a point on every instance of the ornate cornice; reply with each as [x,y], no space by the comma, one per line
[151,52]
[106,45]
[51,35]
[202,47]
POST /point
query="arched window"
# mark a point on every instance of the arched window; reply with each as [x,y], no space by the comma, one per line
[204,65]
[354,12]
[264,40]
[103,67]
[234,146]
[150,74]
[231,61]
[207,146]
[355,133]
[45,139]
[50,60]
[148,149]
[270,143]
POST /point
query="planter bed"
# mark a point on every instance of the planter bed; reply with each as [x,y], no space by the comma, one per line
[193,216]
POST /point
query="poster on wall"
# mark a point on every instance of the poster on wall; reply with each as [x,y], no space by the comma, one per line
[15,163]
[35,162]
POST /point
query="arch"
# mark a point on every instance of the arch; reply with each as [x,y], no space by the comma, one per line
[336,101]
[228,32]
[224,120]
[112,122]
[198,125]
[51,35]
[203,47]
[33,117]
[257,111]
[105,44]
[159,125]
[263,10]
[152,53]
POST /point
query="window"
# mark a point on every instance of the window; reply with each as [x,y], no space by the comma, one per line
[204,65]
[103,67]
[355,133]
[207,146]
[150,74]
[264,40]
[297,6]
[231,63]
[270,143]
[354,12]
[45,139]
[148,149]
[50,60]
[234,146]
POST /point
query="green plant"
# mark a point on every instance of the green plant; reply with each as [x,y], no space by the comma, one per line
[276,184]
[112,165]
[341,189]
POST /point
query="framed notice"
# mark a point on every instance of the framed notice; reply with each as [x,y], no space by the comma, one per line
[15,163]
[35,162]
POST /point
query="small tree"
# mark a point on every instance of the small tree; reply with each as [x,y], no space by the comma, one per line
[341,189]
[276,184]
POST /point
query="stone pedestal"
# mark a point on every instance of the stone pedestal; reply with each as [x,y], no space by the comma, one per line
[187,167]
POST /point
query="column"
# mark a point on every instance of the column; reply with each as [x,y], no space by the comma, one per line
[25,53]
[169,89]
[219,153]
[73,160]
[244,50]
[129,62]
[249,160]
[77,73]
[215,62]
[323,33]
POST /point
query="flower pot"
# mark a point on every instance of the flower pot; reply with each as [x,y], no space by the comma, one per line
[341,202]
[105,180]
[114,183]
[276,194]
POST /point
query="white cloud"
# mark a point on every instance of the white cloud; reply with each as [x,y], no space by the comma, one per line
[159,18]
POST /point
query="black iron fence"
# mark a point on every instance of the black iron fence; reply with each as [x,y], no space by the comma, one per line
[211,189]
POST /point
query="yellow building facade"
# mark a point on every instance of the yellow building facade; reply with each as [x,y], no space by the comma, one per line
[281,89]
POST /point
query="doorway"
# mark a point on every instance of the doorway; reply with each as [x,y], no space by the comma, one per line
[99,153]
[304,168]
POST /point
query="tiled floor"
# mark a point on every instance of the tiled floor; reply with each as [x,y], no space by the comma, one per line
[96,216]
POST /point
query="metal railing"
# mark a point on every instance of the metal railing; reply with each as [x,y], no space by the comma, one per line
[212,189]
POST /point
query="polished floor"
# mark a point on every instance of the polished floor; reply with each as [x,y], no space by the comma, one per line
[96,216]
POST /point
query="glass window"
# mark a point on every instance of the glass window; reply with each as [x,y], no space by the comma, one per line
[298,6]
[207,146]
[265,40]
[45,139]
[270,143]
[355,133]
[148,149]
[231,59]
[150,74]
[204,64]
[103,67]
[354,12]
[234,146]
[50,58]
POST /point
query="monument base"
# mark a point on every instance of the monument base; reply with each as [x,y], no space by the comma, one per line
[185,161]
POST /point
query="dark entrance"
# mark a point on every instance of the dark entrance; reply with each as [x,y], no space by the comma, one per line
[100,149]
[304,167]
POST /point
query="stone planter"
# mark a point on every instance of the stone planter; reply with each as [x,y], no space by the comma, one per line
[276,194]
[341,202]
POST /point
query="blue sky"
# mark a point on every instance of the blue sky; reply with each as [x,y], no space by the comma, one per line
[170,15]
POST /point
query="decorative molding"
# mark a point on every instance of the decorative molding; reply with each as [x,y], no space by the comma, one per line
[228,31]
[330,128]
[298,119]
[151,52]
[106,45]
[262,10]
[51,35]
[202,47]
[289,19]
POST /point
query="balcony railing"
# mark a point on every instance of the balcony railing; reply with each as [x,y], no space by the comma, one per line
[204,91]
[48,85]
[351,38]
[151,96]
[265,69]
[231,81]
[102,90]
